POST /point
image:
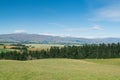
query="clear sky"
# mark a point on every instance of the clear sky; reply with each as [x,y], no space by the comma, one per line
[78,18]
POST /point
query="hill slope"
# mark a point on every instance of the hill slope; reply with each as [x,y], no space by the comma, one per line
[52,39]
[60,69]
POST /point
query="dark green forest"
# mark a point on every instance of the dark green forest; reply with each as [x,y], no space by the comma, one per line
[87,51]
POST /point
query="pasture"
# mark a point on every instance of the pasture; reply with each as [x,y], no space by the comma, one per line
[32,47]
[7,48]
[42,46]
[60,69]
[1,47]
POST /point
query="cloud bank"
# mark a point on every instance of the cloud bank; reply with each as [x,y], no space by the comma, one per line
[20,31]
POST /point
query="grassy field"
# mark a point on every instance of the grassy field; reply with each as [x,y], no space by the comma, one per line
[1,46]
[7,48]
[32,47]
[60,69]
[42,46]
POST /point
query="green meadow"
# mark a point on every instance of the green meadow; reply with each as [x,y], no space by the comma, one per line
[60,69]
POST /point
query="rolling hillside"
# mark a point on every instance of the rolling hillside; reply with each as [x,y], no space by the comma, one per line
[60,69]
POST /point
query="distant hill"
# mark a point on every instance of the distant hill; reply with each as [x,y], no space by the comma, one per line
[35,38]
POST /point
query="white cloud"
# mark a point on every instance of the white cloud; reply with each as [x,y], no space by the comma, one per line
[107,13]
[97,27]
[51,34]
[47,34]
[19,31]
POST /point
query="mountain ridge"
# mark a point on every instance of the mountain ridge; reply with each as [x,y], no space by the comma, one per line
[37,38]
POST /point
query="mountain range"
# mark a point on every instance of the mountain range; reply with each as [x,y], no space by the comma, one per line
[36,38]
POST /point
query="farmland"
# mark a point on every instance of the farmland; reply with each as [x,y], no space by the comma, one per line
[32,47]
[7,47]
[60,69]
[53,68]
[42,46]
[40,51]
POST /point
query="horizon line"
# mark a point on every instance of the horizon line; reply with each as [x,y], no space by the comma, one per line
[62,36]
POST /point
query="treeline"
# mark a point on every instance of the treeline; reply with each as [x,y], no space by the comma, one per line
[87,51]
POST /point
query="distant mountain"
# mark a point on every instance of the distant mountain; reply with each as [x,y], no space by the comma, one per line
[35,38]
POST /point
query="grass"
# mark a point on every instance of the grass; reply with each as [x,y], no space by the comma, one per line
[34,47]
[42,46]
[1,46]
[105,61]
[8,48]
[60,69]
[4,50]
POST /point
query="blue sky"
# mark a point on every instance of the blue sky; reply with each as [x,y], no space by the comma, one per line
[76,18]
